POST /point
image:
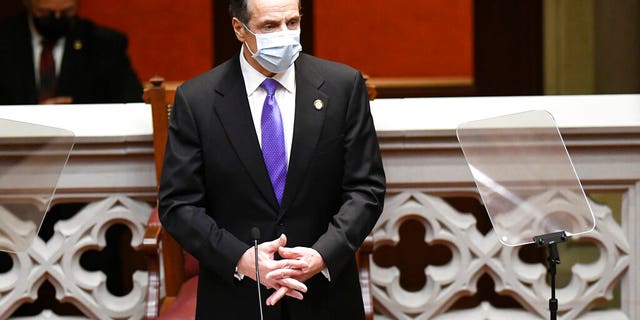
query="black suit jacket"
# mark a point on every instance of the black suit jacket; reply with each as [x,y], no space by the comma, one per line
[95,66]
[215,187]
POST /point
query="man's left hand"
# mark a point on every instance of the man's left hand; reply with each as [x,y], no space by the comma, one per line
[315,264]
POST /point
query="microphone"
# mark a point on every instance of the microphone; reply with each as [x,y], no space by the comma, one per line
[255,235]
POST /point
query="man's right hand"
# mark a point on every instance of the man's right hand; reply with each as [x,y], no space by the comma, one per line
[267,263]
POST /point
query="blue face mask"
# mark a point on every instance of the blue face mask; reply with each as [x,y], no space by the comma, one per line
[276,50]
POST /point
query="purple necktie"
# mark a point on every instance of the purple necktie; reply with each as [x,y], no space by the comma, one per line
[273,148]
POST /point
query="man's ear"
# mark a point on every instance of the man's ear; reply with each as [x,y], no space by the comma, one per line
[238,28]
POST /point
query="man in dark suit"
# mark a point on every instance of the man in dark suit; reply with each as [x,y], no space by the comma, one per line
[311,181]
[49,55]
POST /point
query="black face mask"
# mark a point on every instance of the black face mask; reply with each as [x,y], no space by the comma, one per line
[52,28]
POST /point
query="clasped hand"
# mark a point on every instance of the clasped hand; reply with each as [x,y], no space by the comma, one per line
[286,276]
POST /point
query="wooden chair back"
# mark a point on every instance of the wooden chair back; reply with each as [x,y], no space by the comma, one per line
[160,246]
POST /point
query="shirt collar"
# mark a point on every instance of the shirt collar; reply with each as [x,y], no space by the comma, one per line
[253,79]
[36,38]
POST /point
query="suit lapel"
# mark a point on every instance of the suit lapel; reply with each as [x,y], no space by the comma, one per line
[307,126]
[232,107]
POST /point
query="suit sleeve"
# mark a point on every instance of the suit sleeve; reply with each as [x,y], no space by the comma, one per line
[363,185]
[182,197]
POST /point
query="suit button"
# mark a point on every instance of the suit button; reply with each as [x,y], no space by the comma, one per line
[281,224]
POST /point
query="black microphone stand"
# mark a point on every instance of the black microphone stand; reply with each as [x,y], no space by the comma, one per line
[258,278]
[551,240]
[255,234]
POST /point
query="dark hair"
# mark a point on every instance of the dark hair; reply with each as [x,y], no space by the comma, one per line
[239,9]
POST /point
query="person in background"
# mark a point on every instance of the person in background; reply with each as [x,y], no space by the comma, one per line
[50,55]
[284,142]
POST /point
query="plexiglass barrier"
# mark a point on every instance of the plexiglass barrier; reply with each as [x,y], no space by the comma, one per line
[31,160]
[525,177]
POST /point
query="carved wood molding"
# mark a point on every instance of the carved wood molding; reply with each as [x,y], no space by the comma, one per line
[58,261]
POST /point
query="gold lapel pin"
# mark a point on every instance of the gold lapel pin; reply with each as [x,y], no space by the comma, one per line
[318,104]
[77,44]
